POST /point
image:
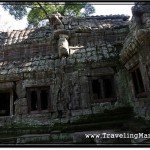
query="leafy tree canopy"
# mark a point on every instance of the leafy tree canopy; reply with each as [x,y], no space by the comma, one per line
[36,12]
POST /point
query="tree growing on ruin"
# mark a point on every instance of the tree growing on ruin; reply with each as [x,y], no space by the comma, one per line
[39,11]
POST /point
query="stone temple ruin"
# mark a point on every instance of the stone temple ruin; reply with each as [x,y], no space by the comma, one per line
[47,74]
[75,67]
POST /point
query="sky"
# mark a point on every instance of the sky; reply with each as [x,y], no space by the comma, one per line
[8,23]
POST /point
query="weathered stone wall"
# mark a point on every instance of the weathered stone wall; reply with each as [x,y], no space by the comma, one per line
[94,47]
[87,32]
[136,52]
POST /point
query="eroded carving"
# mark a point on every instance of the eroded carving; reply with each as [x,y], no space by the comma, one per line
[63,46]
[56,20]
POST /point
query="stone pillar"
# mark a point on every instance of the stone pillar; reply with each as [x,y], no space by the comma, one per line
[85,97]
[20,89]
[11,102]
[21,106]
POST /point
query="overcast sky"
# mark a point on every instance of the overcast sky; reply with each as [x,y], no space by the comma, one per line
[114,9]
[9,23]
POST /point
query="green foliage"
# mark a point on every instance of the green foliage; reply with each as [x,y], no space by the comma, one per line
[39,11]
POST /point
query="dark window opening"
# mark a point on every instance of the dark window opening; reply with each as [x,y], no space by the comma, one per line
[4,104]
[135,82]
[60,114]
[15,96]
[44,99]
[96,89]
[34,103]
[38,99]
[138,83]
[108,89]
[102,89]
[141,85]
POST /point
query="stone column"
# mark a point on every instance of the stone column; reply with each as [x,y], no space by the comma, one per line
[11,102]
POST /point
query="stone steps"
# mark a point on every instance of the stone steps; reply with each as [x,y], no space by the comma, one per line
[107,120]
[91,126]
[72,138]
[10,140]
[63,133]
[32,138]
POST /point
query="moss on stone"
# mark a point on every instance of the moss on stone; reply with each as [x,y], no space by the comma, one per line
[90,126]
[107,119]
[19,129]
[108,115]
[124,90]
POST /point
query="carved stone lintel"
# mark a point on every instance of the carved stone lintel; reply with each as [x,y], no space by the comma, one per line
[7,85]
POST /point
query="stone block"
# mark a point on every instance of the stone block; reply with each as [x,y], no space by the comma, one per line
[34,82]
[4,72]
[27,64]
[23,101]
[97,109]
[56,120]
[50,63]
[35,63]
[84,72]
[76,113]
[7,85]
[70,61]
[147,24]
[14,70]
[83,79]
[83,50]
[89,49]
[93,58]
[57,62]
[24,110]
[65,20]
[85,100]
[54,115]
[106,105]
[85,87]
[68,69]
[17,109]
[64,120]
[86,111]
[78,60]
[27,75]
[74,119]
[103,70]
[21,106]
[66,27]
[34,68]
[78,56]
[34,138]
[89,54]
[20,89]
[145,17]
